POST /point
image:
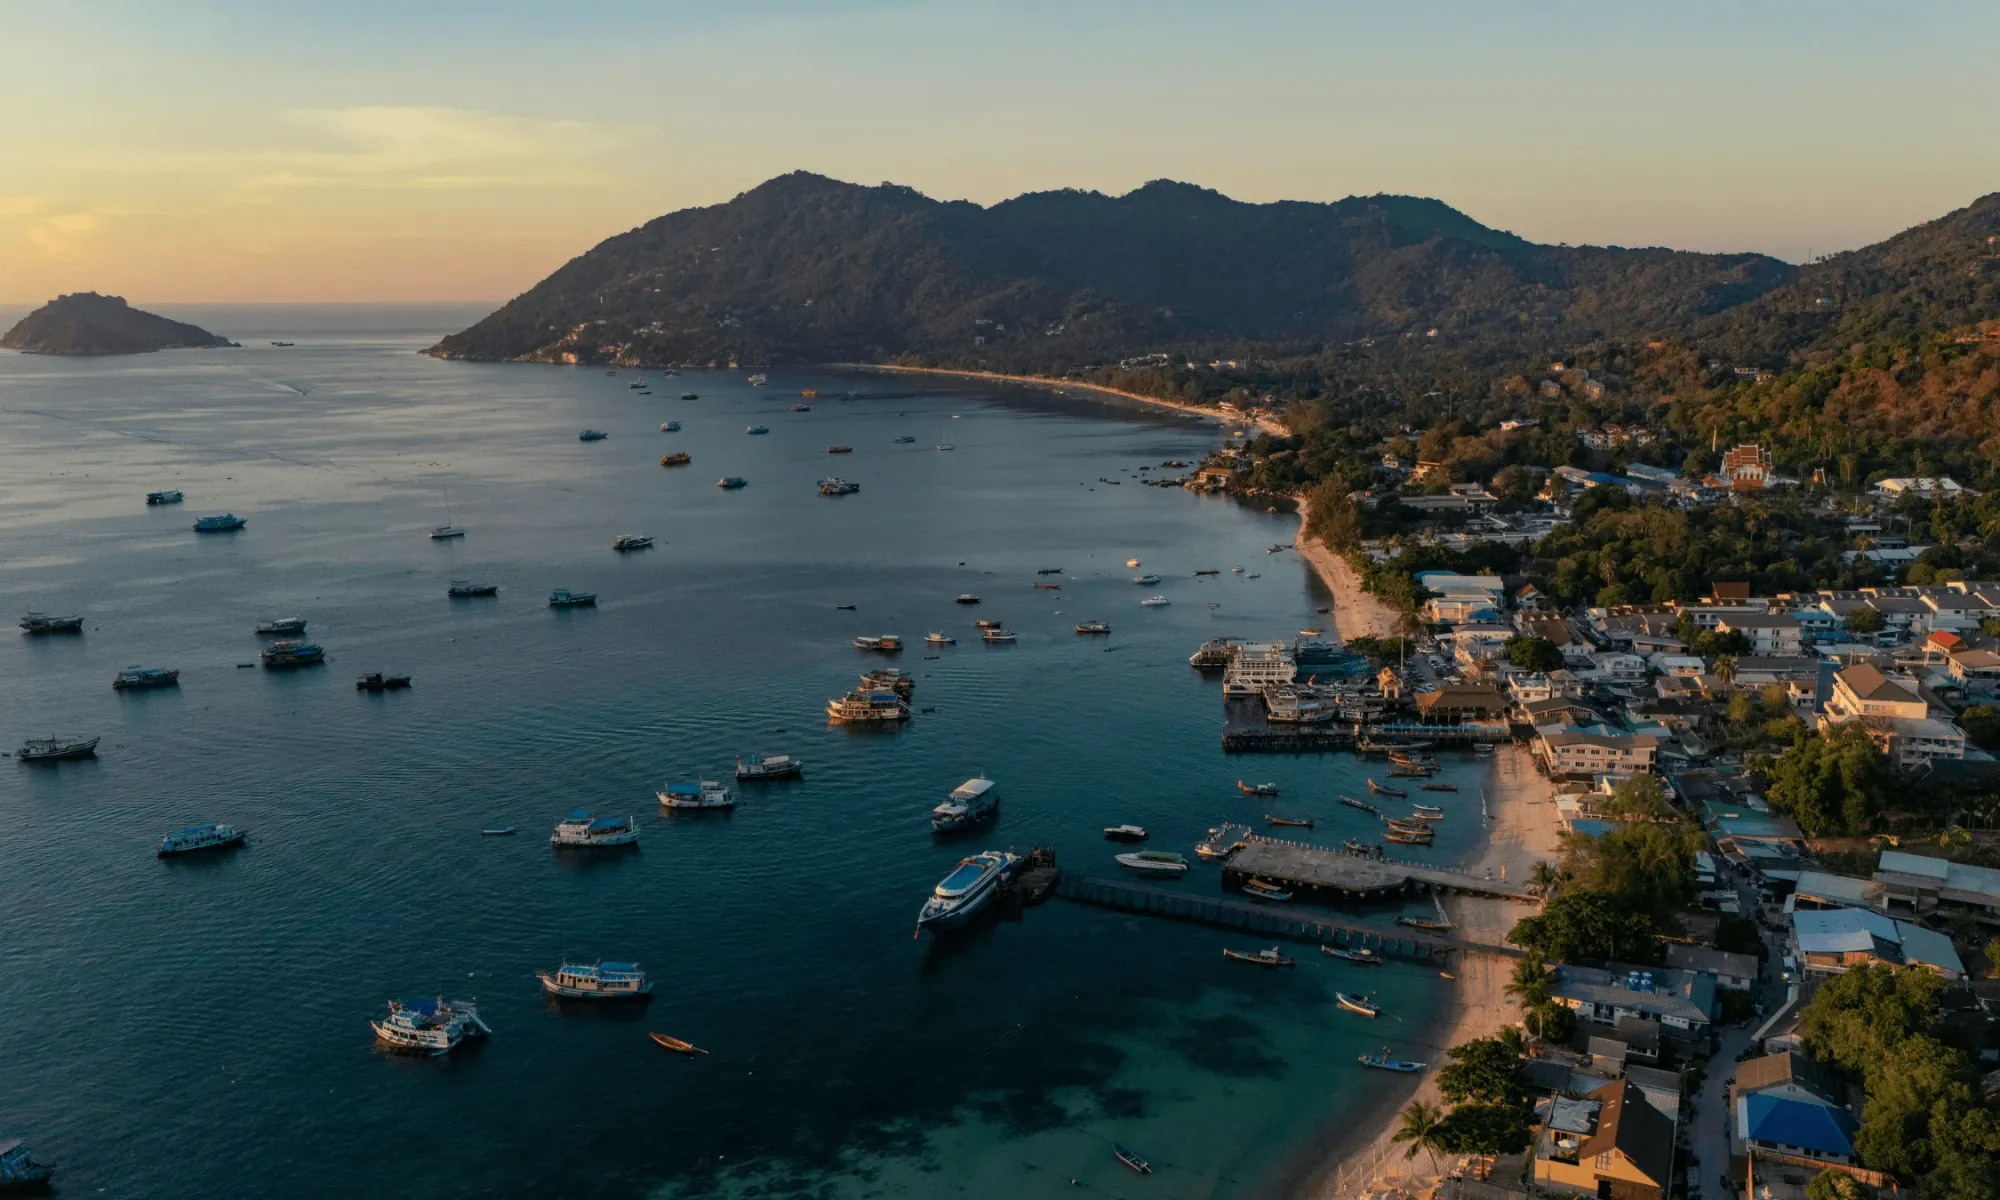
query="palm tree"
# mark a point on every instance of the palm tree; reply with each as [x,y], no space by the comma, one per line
[1725,668]
[1422,1127]
[1543,879]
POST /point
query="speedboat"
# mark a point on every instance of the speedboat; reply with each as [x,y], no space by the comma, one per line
[866,705]
[1257,889]
[139,679]
[670,427]
[1130,1158]
[597,981]
[970,803]
[1146,580]
[1267,957]
[707,794]
[1357,1004]
[441,532]
[1125,833]
[1257,789]
[38,623]
[54,749]
[756,429]
[770,766]
[940,639]
[1154,862]
[1154,602]
[730,483]
[164,497]
[196,838]
[461,588]
[376,681]
[631,541]
[1382,1062]
[429,1026]
[19,1169]
[285,655]
[592,435]
[996,635]
[283,627]
[1093,627]
[1362,957]
[959,895]
[219,524]
[564,598]
[579,828]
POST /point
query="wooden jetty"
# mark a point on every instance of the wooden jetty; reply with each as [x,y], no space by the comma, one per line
[1320,873]
[1265,920]
[1316,739]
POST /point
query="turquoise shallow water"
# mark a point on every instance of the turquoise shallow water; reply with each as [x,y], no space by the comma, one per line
[212,1015]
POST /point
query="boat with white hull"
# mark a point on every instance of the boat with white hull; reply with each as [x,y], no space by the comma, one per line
[597,981]
[961,894]
[196,838]
[706,794]
[580,829]
[429,1026]
[970,803]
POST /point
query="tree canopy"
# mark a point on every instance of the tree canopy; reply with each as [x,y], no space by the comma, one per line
[1830,783]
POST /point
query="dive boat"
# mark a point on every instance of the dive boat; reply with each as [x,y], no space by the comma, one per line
[940,639]
[730,483]
[1363,957]
[564,598]
[219,524]
[441,533]
[597,981]
[1293,822]
[1093,627]
[769,766]
[675,1044]
[139,679]
[19,1169]
[53,749]
[285,655]
[970,803]
[429,1026]
[679,459]
[631,541]
[1257,789]
[39,623]
[1146,580]
[376,681]
[1382,1062]
[1357,1004]
[1267,957]
[1125,833]
[196,838]
[840,449]
[1130,1158]
[1257,889]
[996,635]
[754,430]
[707,794]
[592,435]
[282,627]
[1381,790]
[670,427]
[462,588]
[579,828]
[1154,602]
[869,706]
[974,881]
[164,498]
[966,598]
[834,485]
[1154,862]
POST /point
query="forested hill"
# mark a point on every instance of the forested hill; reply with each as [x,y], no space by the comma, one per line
[85,323]
[809,269]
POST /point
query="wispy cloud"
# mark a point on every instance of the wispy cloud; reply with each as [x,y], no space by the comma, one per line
[19,206]
[429,148]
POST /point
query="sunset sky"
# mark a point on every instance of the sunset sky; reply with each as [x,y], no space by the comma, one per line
[281,151]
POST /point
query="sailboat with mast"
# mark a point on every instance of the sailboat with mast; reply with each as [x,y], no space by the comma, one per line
[449,529]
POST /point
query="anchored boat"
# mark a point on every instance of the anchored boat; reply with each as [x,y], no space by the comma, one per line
[196,838]
[19,1168]
[868,705]
[1267,957]
[282,627]
[679,459]
[581,829]
[597,981]
[1125,833]
[1357,1004]
[1294,822]
[1363,957]
[53,749]
[769,766]
[1383,790]
[429,1026]
[592,435]
[970,803]
[1257,789]
[673,1043]
[1154,862]
[40,623]
[631,541]
[1257,889]
[461,589]
[140,679]
[1130,1158]
[170,497]
[564,598]
[286,655]
[219,524]
[1382,1062]
[376,681]
[707,794]
[1093,627]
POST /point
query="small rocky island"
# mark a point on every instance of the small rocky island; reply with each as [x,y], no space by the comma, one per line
[87,323]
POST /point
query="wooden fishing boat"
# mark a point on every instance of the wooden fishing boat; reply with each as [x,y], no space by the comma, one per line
[1363,805]
[1428,813]
[1257,889]
[1382,1062]
[1406,838]
[1409,825]
[1362,957]
[675,1044]
[1382,790]
[1399,771]
[1268,957]
[1425,923]
[1296,824]
[1257,789]
[1440,787]
[1130,1158]
[1357,1004]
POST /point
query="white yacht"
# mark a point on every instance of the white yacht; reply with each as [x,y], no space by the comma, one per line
[970,803]
[429,1026]
[706,794]
[200,837]
[579,828]
[597,981]
[966,890]
[868,705]
[1154,862]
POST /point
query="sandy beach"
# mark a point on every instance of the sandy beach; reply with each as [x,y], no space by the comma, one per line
[1355,612]
[1045,381]
[1521,830]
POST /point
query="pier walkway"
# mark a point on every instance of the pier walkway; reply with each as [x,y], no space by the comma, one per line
[1312,739]
[1272,920]
[1321,873]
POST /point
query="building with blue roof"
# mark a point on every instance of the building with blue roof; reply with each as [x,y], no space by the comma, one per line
[1783,1125]
[1832,940]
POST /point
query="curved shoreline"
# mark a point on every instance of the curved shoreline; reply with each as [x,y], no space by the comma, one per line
[1046,381]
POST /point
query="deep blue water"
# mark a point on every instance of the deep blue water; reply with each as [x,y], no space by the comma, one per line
[183,1029]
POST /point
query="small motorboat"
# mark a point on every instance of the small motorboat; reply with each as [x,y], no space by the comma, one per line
[1154,862]
[1425,810]
[689,396]
[631,541]
[592,435]
[986,623]
[1363,957]
[1093,627]
[1426,924]
[153,498]
[21,1171]
[1383,790]
[1046,587]
[802,408]
[967,598]
[1267,957]
[670,427]
[1155,602]
[755,430]
[196,838]
[844,607]
[1146,580]
[1404,837]
[1125,833]
[564,598]
[769,766]
[1382,1062]
[1257,889]
[1293,822]
[141,679]
[1131,562]
[224,523]
[1257,789]
[673,1043]
[1131,1158]
[840,449]
[996,635]
[1357,1004]
[440,533]
[730,483]
[376,681]
[940,639]
[906,441]
[1210,571]
[40,623]
[497,831]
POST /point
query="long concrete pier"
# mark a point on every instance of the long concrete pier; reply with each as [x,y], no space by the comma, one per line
[1320,873]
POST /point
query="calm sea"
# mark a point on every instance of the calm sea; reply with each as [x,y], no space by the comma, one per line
[196,1029]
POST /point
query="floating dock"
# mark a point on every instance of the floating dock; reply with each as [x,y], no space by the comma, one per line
[1329,875]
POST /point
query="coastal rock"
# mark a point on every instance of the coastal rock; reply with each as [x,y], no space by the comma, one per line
[85,323]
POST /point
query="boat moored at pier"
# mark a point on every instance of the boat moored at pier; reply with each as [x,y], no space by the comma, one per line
[1267,957]
[972,883]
